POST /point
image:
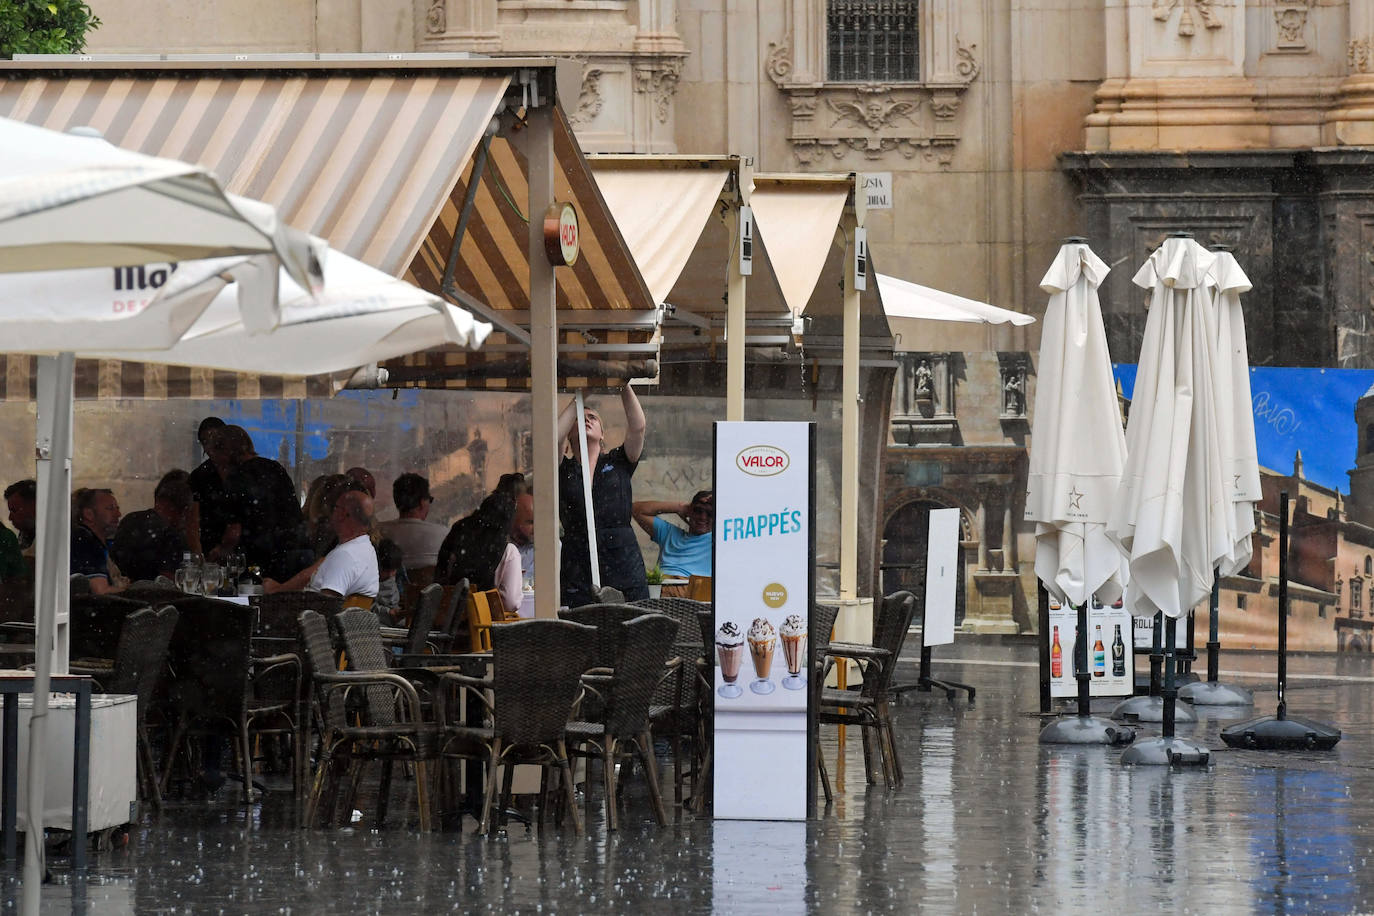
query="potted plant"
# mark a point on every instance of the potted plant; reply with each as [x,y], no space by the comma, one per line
[654,578]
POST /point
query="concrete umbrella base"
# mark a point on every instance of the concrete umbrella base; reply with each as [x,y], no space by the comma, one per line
[1167,752]
[1151,709]
[1215,693]
[1085,730]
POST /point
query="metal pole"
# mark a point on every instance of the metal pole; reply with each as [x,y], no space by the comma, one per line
[1170,689]
[1213,644]
[1080,662]
[543,361]
[587,507]
[849,424]
[1043,616]
[736,288]
[1156,655]
[1283,604]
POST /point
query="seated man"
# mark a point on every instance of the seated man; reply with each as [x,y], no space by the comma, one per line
[418,538]
[95,519]
[150,543]
[21,499]
[351,567]
[681,553]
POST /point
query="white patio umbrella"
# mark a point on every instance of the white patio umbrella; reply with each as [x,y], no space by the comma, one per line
[912,311]
[1077,455]
[1173,517]
[361,316]
[69,201]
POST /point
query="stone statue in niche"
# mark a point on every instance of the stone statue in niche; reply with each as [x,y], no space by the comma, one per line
[1013,398]
[924,382]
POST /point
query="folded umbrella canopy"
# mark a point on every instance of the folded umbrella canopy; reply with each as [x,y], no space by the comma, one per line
[1237,428]
[1078,449]
[1173,517]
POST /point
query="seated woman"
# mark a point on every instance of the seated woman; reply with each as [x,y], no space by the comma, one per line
[478,548]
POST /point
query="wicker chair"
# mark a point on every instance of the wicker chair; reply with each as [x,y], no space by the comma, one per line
[139,661]
[484,609]
[676,709]
[279,613]
[822,626]
[536,671]
[625,691]
[412,640]
[868,706]
[604,617]
[382,734]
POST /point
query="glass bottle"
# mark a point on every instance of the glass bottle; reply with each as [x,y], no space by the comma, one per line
[1118,654]
[1099,655]
[1056,656]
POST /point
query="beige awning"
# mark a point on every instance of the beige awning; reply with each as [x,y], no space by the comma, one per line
[661,213]
[375,157]
[797,219]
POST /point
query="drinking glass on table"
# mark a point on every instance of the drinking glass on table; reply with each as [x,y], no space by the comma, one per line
[184,577]
[211,577]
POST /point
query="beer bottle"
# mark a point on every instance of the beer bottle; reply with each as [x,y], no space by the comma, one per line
[1056,656]
[1099,655]
[1118,655]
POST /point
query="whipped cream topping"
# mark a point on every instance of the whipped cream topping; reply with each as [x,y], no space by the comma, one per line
[793,626]
[761,630]
[729,634]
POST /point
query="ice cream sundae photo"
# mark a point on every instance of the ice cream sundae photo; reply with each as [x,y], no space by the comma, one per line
[730,651]
[762,640]
[793,633]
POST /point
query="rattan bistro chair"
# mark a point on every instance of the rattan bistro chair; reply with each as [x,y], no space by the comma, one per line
[390,726]
[625,691]
[139,661]
[537,667]
[822,626]
[676,710]
[868,706]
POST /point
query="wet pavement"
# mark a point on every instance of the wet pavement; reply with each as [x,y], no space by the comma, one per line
[989,821]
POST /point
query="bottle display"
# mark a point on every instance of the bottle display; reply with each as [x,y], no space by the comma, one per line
[1099,655]
[1056,656]
[1118,654]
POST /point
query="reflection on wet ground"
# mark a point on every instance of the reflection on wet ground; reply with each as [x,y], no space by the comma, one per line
[988,821]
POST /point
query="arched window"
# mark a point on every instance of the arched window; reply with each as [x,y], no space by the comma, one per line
[1369,565]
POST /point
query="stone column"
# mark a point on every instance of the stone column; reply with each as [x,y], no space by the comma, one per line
[1008,540]
[1351,122]
[982,522]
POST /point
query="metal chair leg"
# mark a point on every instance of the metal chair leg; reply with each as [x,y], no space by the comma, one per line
[646,753]
[493,770]
[568,787]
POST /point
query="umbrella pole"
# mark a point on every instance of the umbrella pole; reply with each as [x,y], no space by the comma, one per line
[1157,655]
[1213,645]
[1170,690]
[1080,662]
[1283,606]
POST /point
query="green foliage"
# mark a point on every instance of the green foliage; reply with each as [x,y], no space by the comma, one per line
[44,26]
[654,576]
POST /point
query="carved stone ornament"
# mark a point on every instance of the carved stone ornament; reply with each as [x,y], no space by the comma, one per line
[1290,24]
[589,100]
[658,78]
[836,120]
[436,17]
[1359,57]
[1187,20]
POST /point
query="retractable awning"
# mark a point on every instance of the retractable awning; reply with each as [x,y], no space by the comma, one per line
[373,155]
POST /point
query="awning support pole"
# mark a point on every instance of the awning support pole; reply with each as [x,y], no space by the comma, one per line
[735,295]
[849,422]
[479,165]
[543,363]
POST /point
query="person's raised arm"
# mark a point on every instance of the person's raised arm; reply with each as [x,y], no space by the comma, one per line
[635,424]
[296,583]
[566,418]
[645,510]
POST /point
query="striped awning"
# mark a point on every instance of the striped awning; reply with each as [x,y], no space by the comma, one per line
[373,159]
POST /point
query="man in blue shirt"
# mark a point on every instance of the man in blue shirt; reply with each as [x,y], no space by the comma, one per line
[681,553]
[95,518]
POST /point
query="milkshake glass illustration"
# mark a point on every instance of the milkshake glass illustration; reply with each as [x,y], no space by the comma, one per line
[763,639]
[793,633]
[730,651]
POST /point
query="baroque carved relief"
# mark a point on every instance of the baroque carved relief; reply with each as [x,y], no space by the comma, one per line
[1290,24]
[1359,57]
[436,17]
[1187,20]
[874,119]
[658,78]
[589,100]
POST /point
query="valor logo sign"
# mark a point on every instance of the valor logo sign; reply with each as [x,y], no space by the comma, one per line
[762,460]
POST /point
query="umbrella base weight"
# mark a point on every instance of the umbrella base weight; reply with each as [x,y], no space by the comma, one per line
[1151,709]
[1085,730]
[1167,752]
[1215,693]
[1269,733]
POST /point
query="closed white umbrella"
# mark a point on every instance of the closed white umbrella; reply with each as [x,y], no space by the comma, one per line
[70,201]
[1077,456]
[1173,516]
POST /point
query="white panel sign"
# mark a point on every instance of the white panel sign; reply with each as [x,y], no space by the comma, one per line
[763,588]
[878,189]
[942,577]
[860,258]
[1110,650]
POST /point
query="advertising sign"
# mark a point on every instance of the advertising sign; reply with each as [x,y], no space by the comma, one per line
[1111,658]
[942,572]
[764,551]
